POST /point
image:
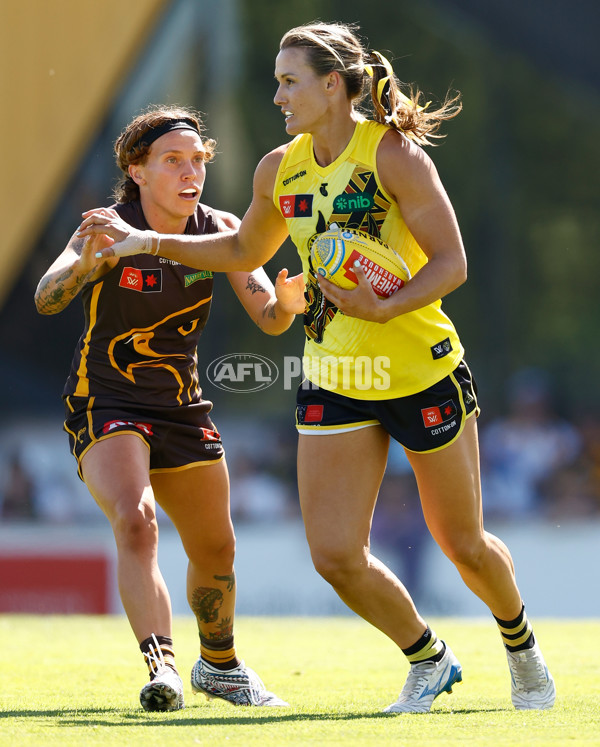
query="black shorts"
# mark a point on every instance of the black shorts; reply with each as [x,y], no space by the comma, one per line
[426,421]
[177,437]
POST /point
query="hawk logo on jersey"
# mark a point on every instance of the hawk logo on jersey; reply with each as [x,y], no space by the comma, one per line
[136,349]
[144,281]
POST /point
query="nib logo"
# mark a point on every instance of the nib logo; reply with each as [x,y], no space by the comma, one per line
[347,202]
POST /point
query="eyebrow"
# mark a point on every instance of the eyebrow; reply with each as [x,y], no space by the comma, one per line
[177,151]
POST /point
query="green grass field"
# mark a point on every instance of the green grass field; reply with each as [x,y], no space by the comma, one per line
[75,681]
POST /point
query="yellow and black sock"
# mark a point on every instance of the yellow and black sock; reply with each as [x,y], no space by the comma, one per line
[428,648]
[219,654]
[517,634]
[148,648]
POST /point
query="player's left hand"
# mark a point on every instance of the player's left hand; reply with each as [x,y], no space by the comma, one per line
[361,302]
[290,292]
[127,239]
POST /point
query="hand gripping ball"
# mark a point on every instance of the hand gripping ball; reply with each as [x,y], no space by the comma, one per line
[335,251]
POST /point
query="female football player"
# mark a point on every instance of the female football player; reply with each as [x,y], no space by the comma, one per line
[429,400]
[138,425]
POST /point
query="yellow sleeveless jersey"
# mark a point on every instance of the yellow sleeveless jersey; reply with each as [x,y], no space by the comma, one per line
[357,358]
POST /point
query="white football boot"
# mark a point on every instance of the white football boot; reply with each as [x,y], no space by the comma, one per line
[532,685]
[425,681]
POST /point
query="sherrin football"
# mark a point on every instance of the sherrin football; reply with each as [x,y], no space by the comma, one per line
[335,251]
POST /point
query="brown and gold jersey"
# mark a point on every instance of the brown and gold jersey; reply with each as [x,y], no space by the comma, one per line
[143,321]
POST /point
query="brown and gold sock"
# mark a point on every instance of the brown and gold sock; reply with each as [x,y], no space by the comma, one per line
[219,654]
[149,648]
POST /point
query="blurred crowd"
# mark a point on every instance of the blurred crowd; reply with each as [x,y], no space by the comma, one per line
[535,464]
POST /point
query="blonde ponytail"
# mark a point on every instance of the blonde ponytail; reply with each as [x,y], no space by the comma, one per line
[405,113]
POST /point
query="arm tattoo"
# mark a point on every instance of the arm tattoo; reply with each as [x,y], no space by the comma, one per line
[269,311]
[49,300]
[254,286]
[78,245]
[52,296]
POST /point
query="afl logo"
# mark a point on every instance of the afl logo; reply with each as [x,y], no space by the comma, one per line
[242,372]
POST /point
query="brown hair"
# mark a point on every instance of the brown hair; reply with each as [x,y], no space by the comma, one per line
[130,147]
[336,47]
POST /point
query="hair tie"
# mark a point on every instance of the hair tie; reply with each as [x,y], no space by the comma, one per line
[384,62]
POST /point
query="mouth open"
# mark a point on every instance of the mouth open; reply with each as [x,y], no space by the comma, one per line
[191,193]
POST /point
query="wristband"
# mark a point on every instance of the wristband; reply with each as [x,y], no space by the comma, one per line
[140,242]
[152,243]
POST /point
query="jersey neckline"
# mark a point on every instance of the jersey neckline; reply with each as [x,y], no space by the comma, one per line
[325,170]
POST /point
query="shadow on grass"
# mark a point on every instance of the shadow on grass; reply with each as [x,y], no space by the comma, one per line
[94,717]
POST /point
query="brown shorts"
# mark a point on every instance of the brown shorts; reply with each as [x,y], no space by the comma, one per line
[177,437]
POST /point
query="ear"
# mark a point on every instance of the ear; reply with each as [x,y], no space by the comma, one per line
[333,82]
[136,173]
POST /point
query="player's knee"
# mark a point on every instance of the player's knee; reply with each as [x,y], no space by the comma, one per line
[136,530]
[218,554]
[466,551]
[225,552]
[338,566]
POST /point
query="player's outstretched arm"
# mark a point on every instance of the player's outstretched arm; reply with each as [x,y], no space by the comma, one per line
[209,252]
[260,234]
